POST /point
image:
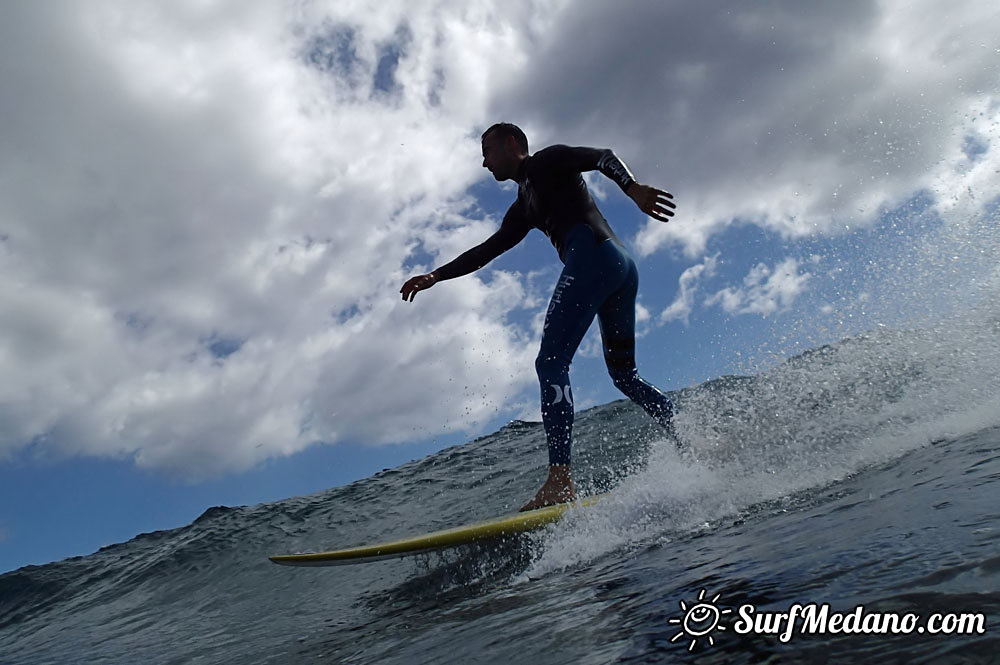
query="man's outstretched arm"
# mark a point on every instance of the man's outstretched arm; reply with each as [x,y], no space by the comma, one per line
[511,232]
[656,203]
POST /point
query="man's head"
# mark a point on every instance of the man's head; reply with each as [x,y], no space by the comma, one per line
[504,147]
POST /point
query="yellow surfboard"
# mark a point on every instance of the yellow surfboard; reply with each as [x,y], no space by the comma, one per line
[436,540]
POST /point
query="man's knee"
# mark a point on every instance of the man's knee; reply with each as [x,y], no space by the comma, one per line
[619,356]
[624,379]
[549,366]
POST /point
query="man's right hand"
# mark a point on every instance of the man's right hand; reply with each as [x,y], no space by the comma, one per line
[418,283]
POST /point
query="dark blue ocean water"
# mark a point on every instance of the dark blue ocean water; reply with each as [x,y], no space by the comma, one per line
[862,473]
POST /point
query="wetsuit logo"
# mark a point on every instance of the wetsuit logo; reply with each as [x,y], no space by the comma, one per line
[562,392]
[611,166]
[557,294]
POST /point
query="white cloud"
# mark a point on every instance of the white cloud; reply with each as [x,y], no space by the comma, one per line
[207,209]
[765,290]
[680,309]
[181,178]
[643,317]
[800,118]
[967,175]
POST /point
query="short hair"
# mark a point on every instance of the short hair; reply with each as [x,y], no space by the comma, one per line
[505,129]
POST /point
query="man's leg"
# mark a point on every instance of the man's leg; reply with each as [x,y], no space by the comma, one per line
[566,322]
[617,319]
[569,316]
[583,285]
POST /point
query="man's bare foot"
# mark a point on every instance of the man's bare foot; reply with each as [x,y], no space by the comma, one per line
[558,488]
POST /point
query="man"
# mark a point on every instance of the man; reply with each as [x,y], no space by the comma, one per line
[599,278]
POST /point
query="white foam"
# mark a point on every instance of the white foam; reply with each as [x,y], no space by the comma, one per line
[806,424]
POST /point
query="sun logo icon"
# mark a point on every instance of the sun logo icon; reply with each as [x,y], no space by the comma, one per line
[699,620]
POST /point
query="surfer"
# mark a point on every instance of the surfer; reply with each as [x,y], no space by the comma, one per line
[599,278]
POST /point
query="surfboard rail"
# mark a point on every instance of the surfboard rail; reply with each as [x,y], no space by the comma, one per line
[461,535]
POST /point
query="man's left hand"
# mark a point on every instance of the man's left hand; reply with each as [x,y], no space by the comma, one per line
[656,203]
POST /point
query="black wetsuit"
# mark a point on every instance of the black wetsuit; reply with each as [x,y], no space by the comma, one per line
[599,279]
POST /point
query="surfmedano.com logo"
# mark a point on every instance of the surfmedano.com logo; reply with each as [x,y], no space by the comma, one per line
[700,620]
[703,618]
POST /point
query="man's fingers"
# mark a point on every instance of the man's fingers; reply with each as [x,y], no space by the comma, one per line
[662,210]
[662,206]
[414,284]
[660,193]
[408,290]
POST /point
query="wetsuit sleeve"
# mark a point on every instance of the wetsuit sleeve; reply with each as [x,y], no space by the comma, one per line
[589,159]
[512,231]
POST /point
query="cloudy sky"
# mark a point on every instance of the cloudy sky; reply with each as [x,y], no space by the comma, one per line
[207,210]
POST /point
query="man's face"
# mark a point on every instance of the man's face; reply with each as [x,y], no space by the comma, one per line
[499,156]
